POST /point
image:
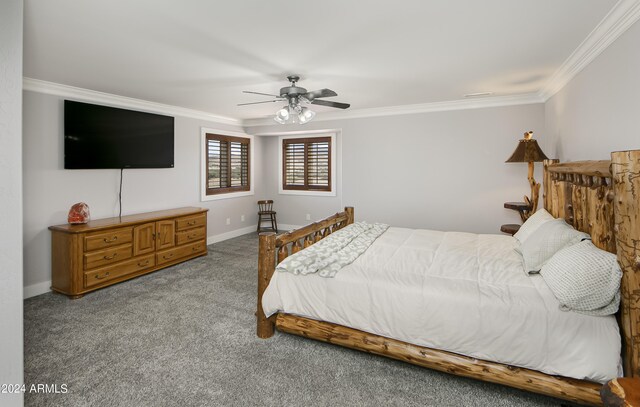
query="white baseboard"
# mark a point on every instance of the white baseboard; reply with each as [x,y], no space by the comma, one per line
[230,235]
[36,289]
[239,232]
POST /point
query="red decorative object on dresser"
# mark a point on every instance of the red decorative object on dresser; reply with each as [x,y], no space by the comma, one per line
[78,214]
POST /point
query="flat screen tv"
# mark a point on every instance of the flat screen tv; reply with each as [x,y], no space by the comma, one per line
[107,137]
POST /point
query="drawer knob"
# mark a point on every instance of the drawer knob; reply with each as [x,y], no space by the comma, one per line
[113,239]
[167,256]
[142,264]
[191,223]
[196,248]
[191,236]
[110,257]
[100,278]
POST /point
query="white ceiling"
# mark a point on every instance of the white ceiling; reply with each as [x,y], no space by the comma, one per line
[201,54]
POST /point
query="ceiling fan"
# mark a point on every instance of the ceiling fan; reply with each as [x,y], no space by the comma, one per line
[296,96]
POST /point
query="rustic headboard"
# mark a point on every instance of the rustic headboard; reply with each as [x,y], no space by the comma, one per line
[602,198]
[581,192]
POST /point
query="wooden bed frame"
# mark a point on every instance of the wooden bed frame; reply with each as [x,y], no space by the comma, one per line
[601,198]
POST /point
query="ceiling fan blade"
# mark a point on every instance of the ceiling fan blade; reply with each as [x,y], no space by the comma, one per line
[330,104]
[260,93]
[320,93]
[255,103]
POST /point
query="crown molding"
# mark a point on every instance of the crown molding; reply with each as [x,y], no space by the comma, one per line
[463,104]
[618,20]
[87,95]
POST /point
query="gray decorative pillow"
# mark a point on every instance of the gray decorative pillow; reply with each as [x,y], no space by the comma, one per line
[550,237]
[584,279]
[532,224]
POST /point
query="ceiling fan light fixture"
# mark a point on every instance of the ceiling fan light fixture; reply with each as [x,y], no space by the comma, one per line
[282,115]
[306,115]
[296,96]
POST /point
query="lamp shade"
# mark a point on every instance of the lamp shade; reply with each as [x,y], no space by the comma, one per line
[527,151]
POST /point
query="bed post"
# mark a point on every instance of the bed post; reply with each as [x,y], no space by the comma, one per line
[547,194]
[266,267]
[349,211]
[625,171]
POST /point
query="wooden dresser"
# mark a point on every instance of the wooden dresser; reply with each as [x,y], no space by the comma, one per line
[103,252]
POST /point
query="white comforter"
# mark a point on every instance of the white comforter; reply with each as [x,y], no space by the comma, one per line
[460,292]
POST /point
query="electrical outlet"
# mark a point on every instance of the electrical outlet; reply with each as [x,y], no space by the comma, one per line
[241,218]
[228,221]
[308,216]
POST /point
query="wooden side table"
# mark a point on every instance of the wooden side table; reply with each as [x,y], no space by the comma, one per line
[510,228]
[522,209]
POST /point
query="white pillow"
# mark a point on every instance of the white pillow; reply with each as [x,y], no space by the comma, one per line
[532,224]
[584,279]
[550,237]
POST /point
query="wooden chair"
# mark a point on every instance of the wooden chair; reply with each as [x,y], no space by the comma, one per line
[266,213]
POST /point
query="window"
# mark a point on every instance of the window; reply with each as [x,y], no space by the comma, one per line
[227,164]
[306,164]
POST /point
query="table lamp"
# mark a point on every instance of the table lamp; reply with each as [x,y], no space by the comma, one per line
[528,151]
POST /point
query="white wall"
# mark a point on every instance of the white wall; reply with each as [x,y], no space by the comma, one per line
[599,110]
[50,190]
[450,167]
[11,348]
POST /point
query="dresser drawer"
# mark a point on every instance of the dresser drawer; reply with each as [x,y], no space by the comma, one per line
[179,252]
[188,222]
[103,240]
[107,256]
[104,274]
[191,235]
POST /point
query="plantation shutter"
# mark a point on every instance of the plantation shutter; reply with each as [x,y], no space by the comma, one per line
[294,163]
[227,164]
[239,159]
[318,163]
[307,164]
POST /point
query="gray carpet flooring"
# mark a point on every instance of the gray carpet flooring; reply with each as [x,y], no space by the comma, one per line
[185,336]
